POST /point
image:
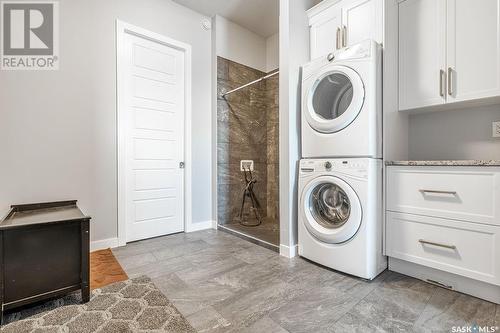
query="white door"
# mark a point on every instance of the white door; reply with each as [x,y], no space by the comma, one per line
[422,53]
[154,138]
[473,38]
[361,20]
[326,32]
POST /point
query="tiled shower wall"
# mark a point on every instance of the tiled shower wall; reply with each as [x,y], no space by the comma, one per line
[247,129]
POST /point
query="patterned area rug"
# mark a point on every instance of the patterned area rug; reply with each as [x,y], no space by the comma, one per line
[134,305]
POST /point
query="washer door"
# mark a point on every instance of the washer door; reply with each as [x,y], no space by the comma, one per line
[332,209]
[334,99]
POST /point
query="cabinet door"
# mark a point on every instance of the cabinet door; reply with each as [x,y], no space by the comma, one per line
[473,38]
[361,19]
[325,28]
[422,53]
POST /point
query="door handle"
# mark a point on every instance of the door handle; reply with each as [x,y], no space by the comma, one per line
[181,165]
[450,81]
[344,36]
[442,81]
[338,38]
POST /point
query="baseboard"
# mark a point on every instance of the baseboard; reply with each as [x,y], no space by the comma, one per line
[200,226]
[288,251]
[104,244]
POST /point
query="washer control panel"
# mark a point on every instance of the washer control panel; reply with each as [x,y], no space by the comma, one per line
[332,165]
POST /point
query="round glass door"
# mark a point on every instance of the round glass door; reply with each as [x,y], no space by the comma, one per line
[335,99]
[329,205]
[332,209]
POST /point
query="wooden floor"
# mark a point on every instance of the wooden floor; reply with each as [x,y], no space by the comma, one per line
[105,269]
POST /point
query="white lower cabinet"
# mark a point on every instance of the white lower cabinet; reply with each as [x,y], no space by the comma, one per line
[467,249]
[446,220]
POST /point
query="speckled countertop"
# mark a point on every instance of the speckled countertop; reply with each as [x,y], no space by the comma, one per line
[445,163]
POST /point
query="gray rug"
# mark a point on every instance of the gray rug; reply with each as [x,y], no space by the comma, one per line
[134,305]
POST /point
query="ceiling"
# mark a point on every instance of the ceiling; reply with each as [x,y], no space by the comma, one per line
[259,16]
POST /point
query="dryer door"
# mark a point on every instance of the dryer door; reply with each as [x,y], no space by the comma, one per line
[334,99]
[332,209]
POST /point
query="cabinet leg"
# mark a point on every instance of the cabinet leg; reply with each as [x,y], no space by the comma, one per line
[85,294]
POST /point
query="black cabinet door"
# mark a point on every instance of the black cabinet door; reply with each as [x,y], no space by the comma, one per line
[41,259]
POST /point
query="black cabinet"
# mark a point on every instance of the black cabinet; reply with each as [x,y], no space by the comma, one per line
[44,253]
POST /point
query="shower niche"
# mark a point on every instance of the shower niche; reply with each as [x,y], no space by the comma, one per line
[247,130]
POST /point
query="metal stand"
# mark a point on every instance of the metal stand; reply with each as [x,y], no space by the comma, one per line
[248,192]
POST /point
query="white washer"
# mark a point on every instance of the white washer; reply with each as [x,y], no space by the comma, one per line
[340,215]
[341,103]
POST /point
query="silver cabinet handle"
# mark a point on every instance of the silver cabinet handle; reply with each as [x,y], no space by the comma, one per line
[450,81]
[442,73]
[338,38]
[452,247]
[438,192]
[344,36]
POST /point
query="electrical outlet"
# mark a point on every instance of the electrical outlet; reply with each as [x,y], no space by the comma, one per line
[496,129]
[246,165]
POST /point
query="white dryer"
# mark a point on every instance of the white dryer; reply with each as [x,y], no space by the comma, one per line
[341,103]
[340,215]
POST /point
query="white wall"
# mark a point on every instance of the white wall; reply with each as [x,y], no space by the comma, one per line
[455,135]
[294,51]
[239,44]
[243,46]
[272,52]
[58,129]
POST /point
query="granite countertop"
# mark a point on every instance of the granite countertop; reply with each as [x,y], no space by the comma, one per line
[445,163]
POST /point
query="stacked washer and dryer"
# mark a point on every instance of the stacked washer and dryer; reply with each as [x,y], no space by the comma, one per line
[340,176]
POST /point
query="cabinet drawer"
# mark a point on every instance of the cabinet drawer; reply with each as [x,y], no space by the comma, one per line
[467,249]
[461,193]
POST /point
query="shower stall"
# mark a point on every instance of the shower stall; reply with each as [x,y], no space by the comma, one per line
[247,152]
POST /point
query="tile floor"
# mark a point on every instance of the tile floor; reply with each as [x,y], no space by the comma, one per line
[268,231]
[222,283]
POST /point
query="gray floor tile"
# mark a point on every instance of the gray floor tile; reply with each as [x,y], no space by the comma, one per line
[205,266]
[353,324]
[447,309]
[208,320]
[254,254]
[245,308]
[179,249]
[497,317]
[264,324]
[134,261]
[316,309]
[159,268]
[223,283]
[392,308]
[169,284]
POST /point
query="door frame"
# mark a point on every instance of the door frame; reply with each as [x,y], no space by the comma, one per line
[123,28]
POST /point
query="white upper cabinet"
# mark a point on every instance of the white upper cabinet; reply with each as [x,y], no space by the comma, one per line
[422,53]
[449,51]
[326,32]
[361,20]
[473,41]
[336,24]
